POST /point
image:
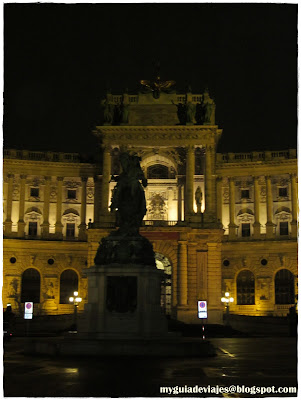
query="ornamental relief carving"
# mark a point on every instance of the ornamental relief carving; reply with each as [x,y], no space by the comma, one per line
[53,194]
[226,195]
[263,193]
[15,192]
[159,136]
[261,180]
[161,193]
[72,184]
[90,195]
[35,181]
[263,287]
[157,207]
[280,181]
[245,218]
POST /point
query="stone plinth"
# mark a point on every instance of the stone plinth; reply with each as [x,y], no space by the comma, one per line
[123,302]
[50,306]
[87,347]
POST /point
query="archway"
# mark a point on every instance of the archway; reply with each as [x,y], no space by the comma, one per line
[163,263]
[68,285]
[30,286]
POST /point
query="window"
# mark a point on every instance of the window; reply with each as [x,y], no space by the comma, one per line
[284,287]
[157,172]
[245,193]
[245,230]
[34,192]
[71,194]
[68,285]
[282,192]
[245,288]
[30,286]
[283,228]
[32,228]
[70,230]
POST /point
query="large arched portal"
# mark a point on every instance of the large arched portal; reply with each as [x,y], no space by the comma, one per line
[30,286]
[68,285]
[163,263]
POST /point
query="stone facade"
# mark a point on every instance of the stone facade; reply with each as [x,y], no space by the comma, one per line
[244,217]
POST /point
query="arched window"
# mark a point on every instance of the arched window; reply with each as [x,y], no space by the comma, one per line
[284,287]
[245,282]
[157,171]
[30,286]
[68,285]
[163,263]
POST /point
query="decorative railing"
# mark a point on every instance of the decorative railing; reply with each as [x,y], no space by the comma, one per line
[156,223]
[180,98]
[41,156]
[256,156]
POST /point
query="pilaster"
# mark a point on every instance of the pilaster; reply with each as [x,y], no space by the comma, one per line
[82,227]
[21,223]
[190,168]
[106,177]
[219,199]
[97,199]
[8,222]
[58,224]
[294,223]
[210,185]
[45,225]
[269,204]
[256,225]
[232,225]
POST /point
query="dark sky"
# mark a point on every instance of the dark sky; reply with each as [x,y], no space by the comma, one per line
[59,59]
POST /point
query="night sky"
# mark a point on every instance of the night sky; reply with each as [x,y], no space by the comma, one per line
[59,60]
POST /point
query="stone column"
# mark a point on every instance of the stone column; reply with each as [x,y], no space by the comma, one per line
[45,224]
[232,225]
[82,235]
[269,204]
[58,224]
[219,199]
[208,181]
[190,168]
[9,203]
[256,224]
[294,224]
[179,201]
[182,273]
[97,197]
[21,223]
[106,177]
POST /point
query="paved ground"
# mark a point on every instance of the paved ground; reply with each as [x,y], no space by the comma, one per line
[240,361]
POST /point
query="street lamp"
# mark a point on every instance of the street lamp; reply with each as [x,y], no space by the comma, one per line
[75,300]
[227,300]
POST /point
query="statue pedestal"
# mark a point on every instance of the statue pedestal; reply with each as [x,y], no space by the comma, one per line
[49,305]
[123,302]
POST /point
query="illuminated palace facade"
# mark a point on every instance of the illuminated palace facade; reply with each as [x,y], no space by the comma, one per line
[217,222]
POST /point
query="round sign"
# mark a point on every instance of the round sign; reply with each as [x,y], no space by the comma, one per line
[202,304]
[28,306]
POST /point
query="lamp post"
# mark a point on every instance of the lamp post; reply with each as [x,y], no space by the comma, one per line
[227,300]
[75,300]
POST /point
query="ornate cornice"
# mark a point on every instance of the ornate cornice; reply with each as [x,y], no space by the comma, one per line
[161,136]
